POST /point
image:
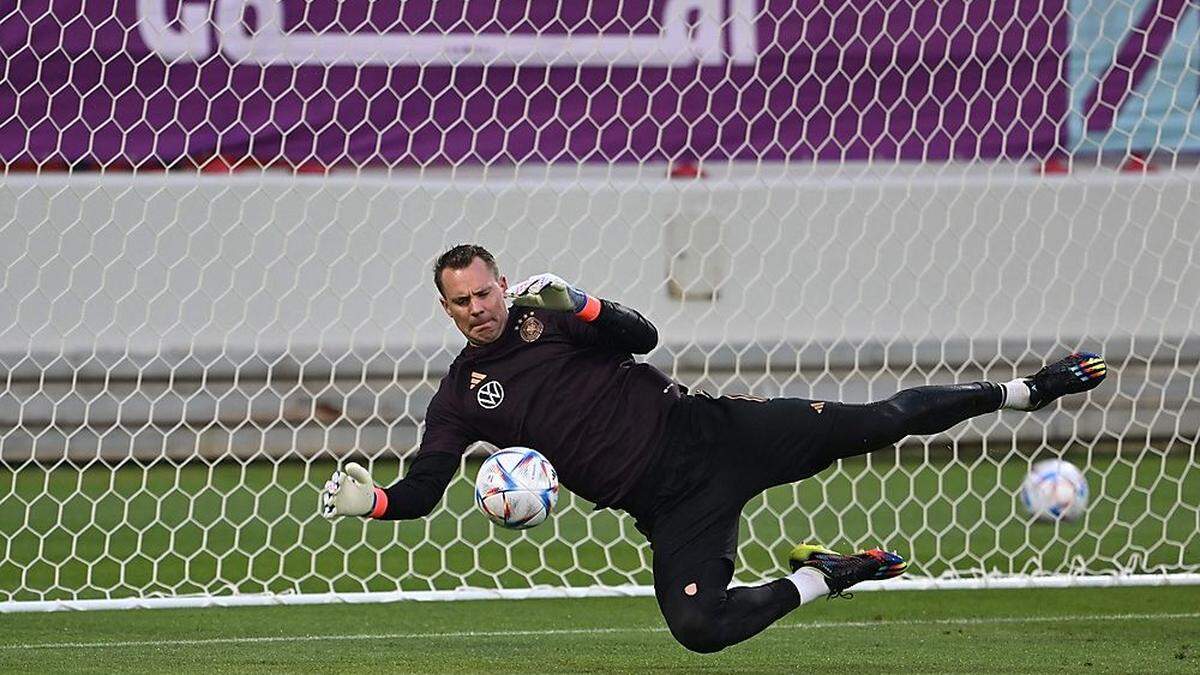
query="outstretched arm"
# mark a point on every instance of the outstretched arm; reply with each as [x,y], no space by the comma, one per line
[421,489]
[353,493]
[601,322]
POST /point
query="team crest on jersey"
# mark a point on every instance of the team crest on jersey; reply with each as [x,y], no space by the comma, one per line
[531,329]
[490,395]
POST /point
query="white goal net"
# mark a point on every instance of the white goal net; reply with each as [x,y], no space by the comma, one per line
[218,220]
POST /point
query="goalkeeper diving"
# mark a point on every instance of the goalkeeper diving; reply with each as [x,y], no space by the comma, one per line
[556,372]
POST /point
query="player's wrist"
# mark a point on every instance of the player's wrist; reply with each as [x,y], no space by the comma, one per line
[589,309]
[379,503]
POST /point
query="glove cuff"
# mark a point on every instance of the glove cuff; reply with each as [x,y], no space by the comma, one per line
[591,309]
[381,504]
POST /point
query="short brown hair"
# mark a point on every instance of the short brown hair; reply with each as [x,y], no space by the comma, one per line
[459,257]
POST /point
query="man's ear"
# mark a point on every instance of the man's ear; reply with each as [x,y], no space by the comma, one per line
[445,306]
[503,283]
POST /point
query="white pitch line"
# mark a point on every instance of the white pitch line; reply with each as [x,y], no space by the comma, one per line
[984,621]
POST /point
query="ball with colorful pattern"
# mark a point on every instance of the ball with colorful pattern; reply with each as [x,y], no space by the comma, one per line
[516,488]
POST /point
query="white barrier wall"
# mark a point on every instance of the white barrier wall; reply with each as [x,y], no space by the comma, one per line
[170,262]
[116,278]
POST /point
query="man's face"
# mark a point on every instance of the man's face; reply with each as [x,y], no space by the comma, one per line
[474,298]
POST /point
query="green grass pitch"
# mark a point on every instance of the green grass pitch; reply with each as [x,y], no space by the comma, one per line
[197,528]
[210,529]
[1123,630]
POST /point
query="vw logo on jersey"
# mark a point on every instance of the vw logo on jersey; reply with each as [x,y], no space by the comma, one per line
[490,395]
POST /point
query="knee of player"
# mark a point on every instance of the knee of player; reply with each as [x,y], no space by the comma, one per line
[698,632]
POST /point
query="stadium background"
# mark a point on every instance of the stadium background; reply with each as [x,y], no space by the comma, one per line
[219,220]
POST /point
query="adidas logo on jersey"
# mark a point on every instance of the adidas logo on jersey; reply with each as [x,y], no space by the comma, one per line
[476,378]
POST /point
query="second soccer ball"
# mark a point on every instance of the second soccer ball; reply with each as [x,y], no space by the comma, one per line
[1055,490]
[516,488]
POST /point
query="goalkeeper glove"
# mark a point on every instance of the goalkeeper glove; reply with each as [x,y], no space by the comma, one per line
[548,291]
[352,493]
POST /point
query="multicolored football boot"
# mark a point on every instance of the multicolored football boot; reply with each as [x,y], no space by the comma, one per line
[1073,374]
[843,571]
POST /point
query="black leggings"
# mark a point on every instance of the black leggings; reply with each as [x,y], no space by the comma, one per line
[722,452]
[921,411]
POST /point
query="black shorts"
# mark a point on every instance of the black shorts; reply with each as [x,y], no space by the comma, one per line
[718,453]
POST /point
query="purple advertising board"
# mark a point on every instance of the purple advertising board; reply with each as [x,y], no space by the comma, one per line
[422,83]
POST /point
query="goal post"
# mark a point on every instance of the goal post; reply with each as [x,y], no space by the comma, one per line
[218,222]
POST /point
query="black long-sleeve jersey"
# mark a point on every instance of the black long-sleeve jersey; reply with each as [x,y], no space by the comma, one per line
[567,388]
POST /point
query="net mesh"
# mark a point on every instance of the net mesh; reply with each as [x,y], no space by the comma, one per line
[219,219]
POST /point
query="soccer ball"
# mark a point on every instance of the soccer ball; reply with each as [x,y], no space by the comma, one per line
[516,488]
[1055,490]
